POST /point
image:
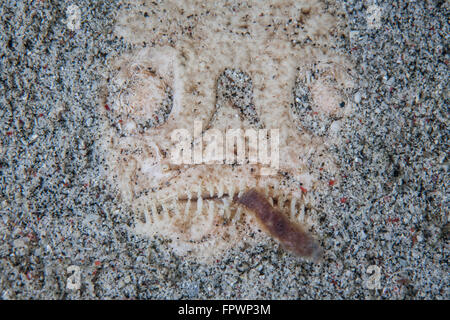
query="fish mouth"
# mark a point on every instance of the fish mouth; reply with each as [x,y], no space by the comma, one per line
[233,198]
[275,215]
[287,204]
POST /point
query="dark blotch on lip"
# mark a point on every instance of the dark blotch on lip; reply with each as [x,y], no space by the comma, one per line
[291,236]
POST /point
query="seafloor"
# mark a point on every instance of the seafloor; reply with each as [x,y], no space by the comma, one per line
[384,228]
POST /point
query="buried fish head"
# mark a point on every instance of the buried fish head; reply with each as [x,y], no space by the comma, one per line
[207,118]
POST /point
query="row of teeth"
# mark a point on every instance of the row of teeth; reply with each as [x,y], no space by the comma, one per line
[162,210]
[229,189]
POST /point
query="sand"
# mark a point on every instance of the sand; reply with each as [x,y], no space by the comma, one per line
[384,228]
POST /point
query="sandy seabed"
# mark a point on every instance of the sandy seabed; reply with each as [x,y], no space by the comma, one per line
[384,228]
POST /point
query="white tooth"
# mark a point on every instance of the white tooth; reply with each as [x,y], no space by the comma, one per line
[199,205]
[308,220]
[211,209]
[188,206]
[241,188]
[221,210]
[220,190]
[293,211]
[165,212]
[211,190]
[199,192]
[175,207]
[271,201]
[189,195]
[231,190]
[237,215]
[301,216]
[226,207]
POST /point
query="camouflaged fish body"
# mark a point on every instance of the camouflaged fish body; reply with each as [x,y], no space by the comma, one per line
[192,52]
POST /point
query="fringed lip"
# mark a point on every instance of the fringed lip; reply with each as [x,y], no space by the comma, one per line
[292,236]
